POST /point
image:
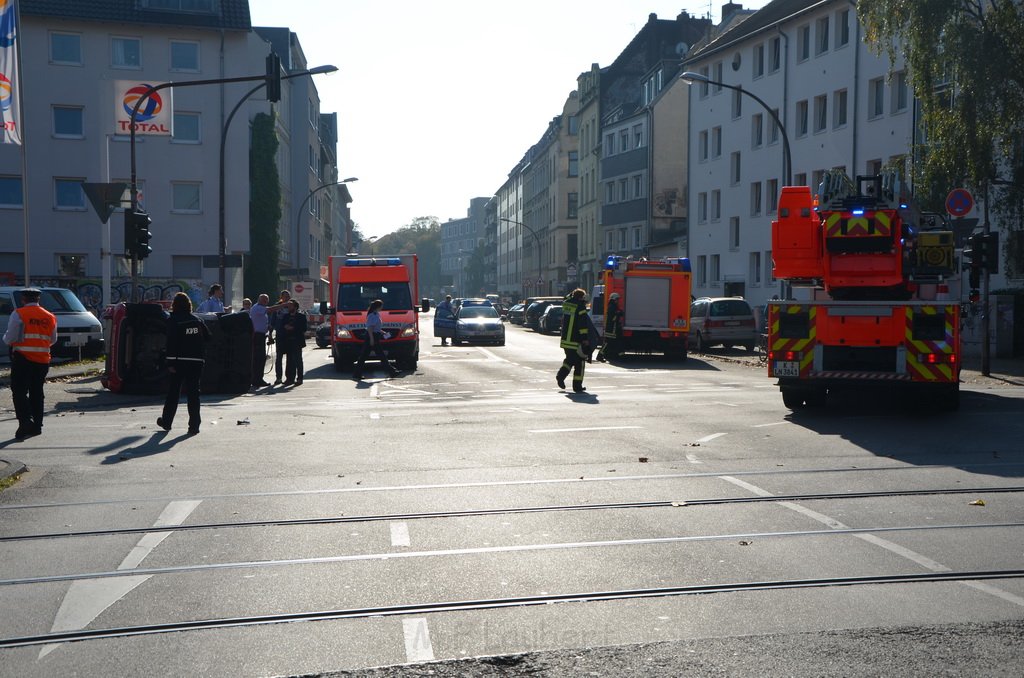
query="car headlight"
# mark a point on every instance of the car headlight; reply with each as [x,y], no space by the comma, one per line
[409,331]
[343,333]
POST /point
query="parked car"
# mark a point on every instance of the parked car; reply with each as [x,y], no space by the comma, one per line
[478,324]
[551,321]
[515,314]
[722,321]
[474,302]
[536,309]
[76,326]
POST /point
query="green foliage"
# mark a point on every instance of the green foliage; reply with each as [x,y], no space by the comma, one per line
[261,272]
[423,238]
[966,62]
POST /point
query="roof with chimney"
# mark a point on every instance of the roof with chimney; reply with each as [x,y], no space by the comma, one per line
[765,18]
[223,14]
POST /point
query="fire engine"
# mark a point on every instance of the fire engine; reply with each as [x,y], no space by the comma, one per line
[880,311]
[654,297]
[355,282]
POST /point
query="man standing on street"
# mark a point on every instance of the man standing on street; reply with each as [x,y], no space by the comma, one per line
[575,339]
[444,312]
[31,331]
[260,328]
[612,327]
[279,360]
[186,352]
[214,302]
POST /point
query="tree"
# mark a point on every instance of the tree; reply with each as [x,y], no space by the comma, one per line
[966,63]
[261,273]
[423,238]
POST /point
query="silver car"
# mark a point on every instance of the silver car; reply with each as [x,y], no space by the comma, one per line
[722,321]
[478,324]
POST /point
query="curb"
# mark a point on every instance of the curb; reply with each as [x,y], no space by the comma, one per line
[11,467]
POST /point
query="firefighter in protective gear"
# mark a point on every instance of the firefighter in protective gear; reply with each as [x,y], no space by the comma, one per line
[31,331]
[612,327]
[575,339]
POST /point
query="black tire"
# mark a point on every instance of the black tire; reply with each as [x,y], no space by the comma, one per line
[342,365]
[817,398]
[501,343]
[749,348]
[949,400]
[792,398]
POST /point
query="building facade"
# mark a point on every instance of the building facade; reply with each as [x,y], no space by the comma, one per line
[462,246]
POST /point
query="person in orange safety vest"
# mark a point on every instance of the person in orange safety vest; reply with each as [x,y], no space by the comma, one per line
[31,331]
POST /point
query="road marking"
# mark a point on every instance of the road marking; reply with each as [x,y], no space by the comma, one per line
[86,600]
[375,415]
[573,430]
[902,551]
[707,439]
[375,390]
[719,402]
[774,423]
[692,458]
[400,534]
[418,647]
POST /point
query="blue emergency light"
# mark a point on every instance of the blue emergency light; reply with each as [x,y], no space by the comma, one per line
[390,261]
[684,263]
[612,262]
[857,211]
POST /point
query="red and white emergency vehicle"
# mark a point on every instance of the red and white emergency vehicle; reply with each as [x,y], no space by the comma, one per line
[358,280]
[881,290]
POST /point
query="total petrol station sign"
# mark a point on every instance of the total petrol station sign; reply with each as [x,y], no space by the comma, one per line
[155,116]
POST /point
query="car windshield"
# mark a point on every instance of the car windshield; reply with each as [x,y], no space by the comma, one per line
[478,312]
[357,296]
[729,307]
[58,301]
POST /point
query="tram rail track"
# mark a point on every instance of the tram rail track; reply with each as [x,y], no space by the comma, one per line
[494,603]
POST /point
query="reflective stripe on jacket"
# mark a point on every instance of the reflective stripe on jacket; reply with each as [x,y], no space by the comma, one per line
[574,323]
[38,326]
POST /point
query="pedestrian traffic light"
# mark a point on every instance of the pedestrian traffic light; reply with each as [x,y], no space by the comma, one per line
[972,252]
[273,77]
[990,251]
[137,234]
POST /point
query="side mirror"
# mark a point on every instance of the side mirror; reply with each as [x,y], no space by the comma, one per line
[425,305]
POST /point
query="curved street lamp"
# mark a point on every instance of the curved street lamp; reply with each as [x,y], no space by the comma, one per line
[298,216]
[221,223]
[535,237]
[689,77]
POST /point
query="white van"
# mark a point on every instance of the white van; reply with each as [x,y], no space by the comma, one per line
[76,326]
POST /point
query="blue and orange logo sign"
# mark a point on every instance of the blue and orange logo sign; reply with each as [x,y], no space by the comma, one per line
[6,92]
[8,25]
[150,108]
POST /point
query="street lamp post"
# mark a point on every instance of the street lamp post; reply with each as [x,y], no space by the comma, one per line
[222,223]
[370,240]
[689,77]
[298,215]
[535,237]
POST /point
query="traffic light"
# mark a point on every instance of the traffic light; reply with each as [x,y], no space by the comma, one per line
[137,234]
[990,251]
[972,252]
[273,77]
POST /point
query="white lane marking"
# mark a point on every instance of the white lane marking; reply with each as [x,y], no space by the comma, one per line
[902,551]
[707,439]
[86,600]
[492,356]
[692,458]
[400,534]
[418,647]
[774,423]
[573,430]
[375,390]
[374,415]
[719,402]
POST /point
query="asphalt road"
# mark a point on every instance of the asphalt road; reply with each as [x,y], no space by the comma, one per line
[472,519]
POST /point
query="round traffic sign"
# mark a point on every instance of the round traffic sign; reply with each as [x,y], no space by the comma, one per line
[299,288]
[959,202]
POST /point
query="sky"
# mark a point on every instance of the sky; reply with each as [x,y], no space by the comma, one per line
[437,100]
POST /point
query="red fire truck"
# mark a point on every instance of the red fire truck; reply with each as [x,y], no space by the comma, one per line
[881,292]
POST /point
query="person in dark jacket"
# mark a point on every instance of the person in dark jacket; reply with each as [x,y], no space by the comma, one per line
[612,328]
[291,339]
[575,339]
[374,341]
[186,349]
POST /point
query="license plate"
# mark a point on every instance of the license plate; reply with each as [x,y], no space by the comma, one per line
[732,323]
[786,369]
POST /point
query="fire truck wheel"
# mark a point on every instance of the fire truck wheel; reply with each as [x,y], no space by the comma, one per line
[792,398]
[949,400]
[817,398]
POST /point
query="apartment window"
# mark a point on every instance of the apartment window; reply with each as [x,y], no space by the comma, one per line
[800,179]
[638,186]
[609,193]
[638,136]
[312,156]
[842,28]
[769,266]
[822,32]
[622,238]
[716,142]
[574,124]
[704,84]
[718,76]
[803,42]
[573,203]
[186,197]
[184,56]
[66,48]
[10,192]
[609,241]
[774,54]
[638,240]
[702,269]
[737,104]
[734,233]
[758,60]
[574,163]
[755,199]
[899,92]
[68,194]
[716,269]
[876,98]
[67,122]
[186,128]
[72,265]
[773,196]
[801,118]
[820,113]
[623,189]
[716,205]
[734,168]
[755,268]
[125,52]
[839,102]
[874,167]
[816,178]
[702,207]
[702,145]
[773,133]
[609,144]
[757,130]
[624,140]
